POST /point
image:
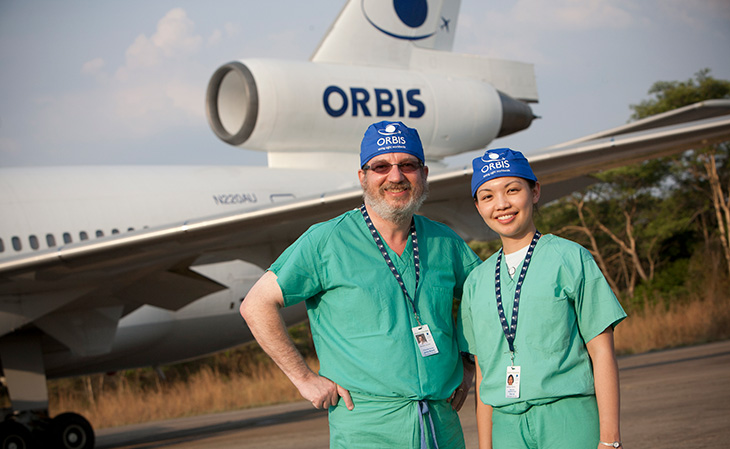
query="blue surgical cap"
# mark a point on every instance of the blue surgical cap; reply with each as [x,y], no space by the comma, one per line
[390,137]
[499,163]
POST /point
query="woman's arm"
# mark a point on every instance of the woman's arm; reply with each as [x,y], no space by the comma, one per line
[484,415]
[605,372]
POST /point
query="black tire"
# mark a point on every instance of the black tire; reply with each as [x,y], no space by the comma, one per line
[71,431]
[14,435]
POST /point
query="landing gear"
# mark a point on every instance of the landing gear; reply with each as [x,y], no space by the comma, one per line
[70,431]
[34,431]
[27,425]
[14,435]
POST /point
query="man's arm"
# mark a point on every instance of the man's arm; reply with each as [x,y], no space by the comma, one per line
[462,391]
[605,372]
[261,310]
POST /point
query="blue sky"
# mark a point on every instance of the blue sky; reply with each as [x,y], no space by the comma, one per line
[112,82]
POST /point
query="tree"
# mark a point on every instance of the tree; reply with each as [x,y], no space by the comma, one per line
[634,216]
[625,221]
[707,166]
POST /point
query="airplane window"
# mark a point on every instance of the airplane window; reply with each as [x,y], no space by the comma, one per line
[67,237]
[130,229]
[100,233]
[50,240]
[115,231]
[33,242]
[17,246]
[2,246]
[83,235]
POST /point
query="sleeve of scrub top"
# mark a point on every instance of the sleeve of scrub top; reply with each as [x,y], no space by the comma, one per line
[469,261]
[464,326]
[297,269]
[596,306]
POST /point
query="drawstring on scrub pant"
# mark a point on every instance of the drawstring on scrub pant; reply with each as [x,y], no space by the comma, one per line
[423,409]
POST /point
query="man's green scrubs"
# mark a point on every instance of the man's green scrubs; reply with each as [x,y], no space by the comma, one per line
[565,302]
[362,328]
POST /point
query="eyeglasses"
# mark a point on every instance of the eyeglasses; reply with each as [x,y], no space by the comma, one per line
[383,168]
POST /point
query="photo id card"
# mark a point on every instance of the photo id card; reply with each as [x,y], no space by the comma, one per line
[425,340]
[512,383]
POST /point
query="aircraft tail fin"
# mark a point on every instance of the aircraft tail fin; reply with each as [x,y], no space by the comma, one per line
[373,32]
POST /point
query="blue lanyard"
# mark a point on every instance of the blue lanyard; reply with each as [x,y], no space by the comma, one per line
[393,269]
[510,331]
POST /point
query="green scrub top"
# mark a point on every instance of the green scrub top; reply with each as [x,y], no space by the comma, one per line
[565,302]
[360,319]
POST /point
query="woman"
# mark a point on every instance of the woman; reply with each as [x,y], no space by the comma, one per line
[549,329]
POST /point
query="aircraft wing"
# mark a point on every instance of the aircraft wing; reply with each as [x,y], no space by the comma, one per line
[159,258]
[565,168]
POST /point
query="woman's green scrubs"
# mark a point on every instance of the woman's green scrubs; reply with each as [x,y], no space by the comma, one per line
[565,302]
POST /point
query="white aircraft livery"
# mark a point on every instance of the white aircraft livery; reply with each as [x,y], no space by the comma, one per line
[110,268]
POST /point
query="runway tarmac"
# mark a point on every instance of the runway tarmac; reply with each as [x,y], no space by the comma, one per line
[678,398]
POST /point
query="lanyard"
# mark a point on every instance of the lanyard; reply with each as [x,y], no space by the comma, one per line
[393,269]
[510,331]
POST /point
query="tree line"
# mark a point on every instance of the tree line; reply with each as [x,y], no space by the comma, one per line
[658,229]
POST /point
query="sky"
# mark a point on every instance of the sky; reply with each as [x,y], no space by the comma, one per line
[87,82]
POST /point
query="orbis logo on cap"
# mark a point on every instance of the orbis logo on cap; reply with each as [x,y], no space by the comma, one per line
[492,163]
[391,138]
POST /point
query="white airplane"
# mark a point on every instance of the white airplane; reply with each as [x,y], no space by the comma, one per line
[109,268]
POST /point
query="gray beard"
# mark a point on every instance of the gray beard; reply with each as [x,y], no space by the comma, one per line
[397,215]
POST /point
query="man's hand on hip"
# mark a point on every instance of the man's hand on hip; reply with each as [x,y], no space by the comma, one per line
[323,393]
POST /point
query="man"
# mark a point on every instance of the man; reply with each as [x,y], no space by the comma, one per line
[374,280]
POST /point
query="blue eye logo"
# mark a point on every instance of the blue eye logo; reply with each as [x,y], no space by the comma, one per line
[411,13]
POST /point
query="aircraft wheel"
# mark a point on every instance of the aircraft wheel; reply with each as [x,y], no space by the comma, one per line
[14,435]
[71,431]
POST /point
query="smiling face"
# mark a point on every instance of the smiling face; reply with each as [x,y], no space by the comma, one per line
[394,196]
[506,206]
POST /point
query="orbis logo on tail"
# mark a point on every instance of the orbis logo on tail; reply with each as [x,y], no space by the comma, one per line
[407,20]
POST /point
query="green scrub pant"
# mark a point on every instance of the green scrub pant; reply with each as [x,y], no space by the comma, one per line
[380,422]
[568,423]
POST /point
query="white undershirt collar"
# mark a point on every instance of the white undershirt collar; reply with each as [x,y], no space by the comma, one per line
[513,260]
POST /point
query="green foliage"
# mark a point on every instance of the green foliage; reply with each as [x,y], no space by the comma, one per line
[647,220]
[670,95]
[670,284]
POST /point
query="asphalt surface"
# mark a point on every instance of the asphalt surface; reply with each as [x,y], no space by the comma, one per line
[678,398]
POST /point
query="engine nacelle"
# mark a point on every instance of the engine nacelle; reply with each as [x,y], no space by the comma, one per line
[282,106]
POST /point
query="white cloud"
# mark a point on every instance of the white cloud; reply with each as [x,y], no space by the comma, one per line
[187,97]
[175,34]
[160,86]
[142,53]
[174,39]
[93,67]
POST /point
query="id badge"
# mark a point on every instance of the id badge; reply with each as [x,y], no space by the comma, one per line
[423,337]
[512,383]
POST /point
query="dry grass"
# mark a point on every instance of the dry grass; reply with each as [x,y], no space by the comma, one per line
[680,324]
[246,377]
[207,391]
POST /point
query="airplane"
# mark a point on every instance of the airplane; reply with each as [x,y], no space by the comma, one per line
[110,268]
